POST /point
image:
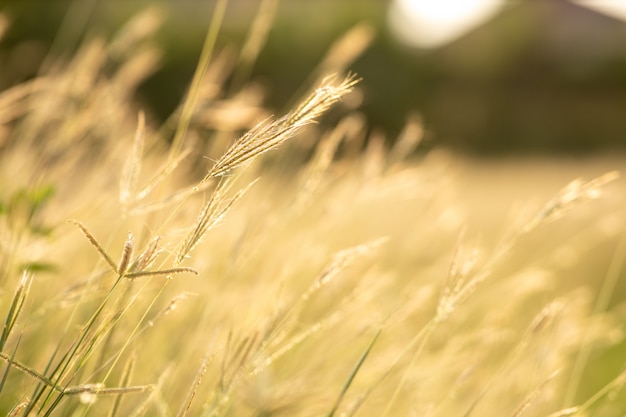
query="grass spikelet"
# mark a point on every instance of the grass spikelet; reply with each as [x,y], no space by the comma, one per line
[132,168]
[126,254]
[575,191]
[458,283]
[544,318]
[323,157]
[147,257]
[28,371]
[339,262]
[212,212]
[95,244]
[21,292]
[167,271]
[533,396]
[17,410]
[195,385]
[269,134]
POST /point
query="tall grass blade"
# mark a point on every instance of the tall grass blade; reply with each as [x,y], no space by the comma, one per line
[352,375]
[21,292]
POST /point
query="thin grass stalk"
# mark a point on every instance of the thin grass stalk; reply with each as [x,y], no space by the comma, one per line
[533,396]
[132,168]
[150,324]
[186,405]
[124,380]
[131,336]
[161,174]
[280,322]
[138,329]
[299,338]
[611,278]
[121,305]
[423,336]
[192,95]
[40,388]
[256,39]
[539,323]
[63,366]
[353,373]
[9,364]
[615,384]
[65,360]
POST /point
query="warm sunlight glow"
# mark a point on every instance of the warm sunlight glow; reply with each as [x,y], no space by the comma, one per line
[429,23]
[615,8]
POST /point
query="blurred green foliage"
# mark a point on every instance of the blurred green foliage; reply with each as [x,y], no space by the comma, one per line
[542,76]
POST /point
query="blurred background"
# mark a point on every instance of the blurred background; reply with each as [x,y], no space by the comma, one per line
[487,77]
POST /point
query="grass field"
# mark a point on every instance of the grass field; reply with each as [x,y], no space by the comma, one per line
[232,263]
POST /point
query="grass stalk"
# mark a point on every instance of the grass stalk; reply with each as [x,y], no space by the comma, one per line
[352,374]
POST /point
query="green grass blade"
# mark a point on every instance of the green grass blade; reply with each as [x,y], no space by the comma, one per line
[10,363]
[352,375]
[16,307]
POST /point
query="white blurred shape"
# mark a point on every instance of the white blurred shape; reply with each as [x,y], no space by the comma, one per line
[615,8]
[433,23]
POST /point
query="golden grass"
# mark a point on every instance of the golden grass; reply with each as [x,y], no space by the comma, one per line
[339,283]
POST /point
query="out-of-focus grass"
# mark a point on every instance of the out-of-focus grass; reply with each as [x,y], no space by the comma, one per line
[334,276]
